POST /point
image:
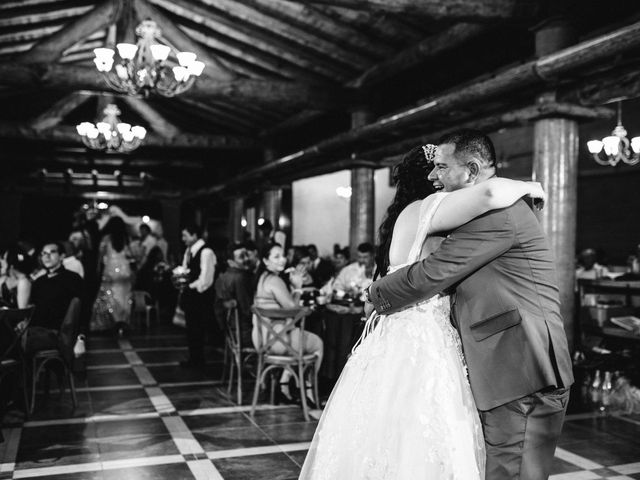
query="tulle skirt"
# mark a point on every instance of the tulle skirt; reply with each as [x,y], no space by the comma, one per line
[402,408]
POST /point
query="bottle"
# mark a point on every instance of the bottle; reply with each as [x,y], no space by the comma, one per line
[79,348]
[605,393]
[584,388]
[594,389]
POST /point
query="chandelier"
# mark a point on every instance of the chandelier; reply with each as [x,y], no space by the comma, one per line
[146,66]
[111,134]
[616,146]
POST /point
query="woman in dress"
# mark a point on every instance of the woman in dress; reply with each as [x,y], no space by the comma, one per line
[403,407]
[15,285]
[272,292]
[111,308]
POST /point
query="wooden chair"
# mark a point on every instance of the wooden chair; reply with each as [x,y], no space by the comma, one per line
[63,354]
[295,361]
[237,354]
[12,361]
[141,304]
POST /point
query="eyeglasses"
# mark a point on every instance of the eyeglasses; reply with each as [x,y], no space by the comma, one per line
[46,253]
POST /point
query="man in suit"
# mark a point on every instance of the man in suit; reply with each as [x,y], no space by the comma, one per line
[505,304]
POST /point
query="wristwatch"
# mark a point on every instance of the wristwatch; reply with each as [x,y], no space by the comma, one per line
[367,294]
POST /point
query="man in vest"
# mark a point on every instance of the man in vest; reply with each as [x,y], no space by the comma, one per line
[198,296]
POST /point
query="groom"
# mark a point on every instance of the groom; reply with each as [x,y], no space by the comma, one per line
[505,304]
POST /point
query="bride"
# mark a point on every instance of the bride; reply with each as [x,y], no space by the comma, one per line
[402,407]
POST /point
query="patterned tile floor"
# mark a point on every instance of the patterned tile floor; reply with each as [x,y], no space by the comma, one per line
[140,416]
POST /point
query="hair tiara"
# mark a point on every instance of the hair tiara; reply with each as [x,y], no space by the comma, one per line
[429,151]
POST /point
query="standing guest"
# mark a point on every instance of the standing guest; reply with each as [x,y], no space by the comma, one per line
[51,294]
[147,242]
[236,283]
[111,308]
[357,275]
[15,285]
[70,259]
[321,269]
[198,296]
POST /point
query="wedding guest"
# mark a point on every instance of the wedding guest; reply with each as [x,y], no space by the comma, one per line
[236,283]
[252,252]
[70,259]
[272,292]
[341,258]
[198,296]
[15,285]
[322,270]
[301,265]
[147,242]
[51,294]
[589,268]
[359,274]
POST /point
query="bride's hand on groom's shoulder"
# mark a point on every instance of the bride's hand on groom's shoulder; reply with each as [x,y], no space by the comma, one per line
[368,308]
[537,194]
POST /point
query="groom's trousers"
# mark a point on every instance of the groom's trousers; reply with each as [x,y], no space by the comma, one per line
[521,436]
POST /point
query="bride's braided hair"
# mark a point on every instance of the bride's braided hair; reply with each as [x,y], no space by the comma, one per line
[410,178]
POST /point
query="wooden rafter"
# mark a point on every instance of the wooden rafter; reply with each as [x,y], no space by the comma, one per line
[445,9]
[158,123]
[184,140]
[262,92]
[43,17]
[214,68]
[255,36]
[419,53]
[51,47]
[28,35]
[54,115]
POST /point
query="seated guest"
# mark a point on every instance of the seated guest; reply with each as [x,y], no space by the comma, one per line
[358,275]
[301,265]
[236,283]
[272,292]
[51,295]
[588,268]
[321,269]
[341,258]
[70,259]
[15,286]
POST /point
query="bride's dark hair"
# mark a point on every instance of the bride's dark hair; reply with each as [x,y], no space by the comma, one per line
[410,178]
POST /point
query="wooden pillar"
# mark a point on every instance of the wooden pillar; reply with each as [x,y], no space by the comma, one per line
[236,210]
[272,196]
[361,227]
[555,165]
[171,227]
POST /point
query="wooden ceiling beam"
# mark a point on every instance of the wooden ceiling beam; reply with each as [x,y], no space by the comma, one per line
[257,91]
[54,115]
[48,16]
[419,53]
[8,5]
[214,68]
[445,9]
[255,36]
[158,123]
[185,140]
[309,17]
[51,47]
[28,35]
[295,121]
[248,14]
[220,116]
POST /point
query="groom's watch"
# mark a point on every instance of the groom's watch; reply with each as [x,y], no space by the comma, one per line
[367,294]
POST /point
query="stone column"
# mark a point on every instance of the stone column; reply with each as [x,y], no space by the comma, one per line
[361,227]
[272,206]
[236,210]
[555,166]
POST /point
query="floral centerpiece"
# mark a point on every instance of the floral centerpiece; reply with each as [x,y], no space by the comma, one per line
[180,277]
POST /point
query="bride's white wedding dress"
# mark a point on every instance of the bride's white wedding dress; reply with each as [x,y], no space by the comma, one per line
[402,408]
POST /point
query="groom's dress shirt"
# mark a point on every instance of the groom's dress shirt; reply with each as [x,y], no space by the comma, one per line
[506,303]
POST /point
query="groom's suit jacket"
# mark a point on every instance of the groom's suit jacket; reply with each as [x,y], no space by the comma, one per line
[505,305]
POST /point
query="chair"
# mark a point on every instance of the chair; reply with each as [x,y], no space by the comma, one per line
[295,361]
[141,305]
[12,359]
[233,346]
[63,354]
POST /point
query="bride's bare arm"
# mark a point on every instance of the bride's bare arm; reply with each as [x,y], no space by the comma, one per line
[461,206]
